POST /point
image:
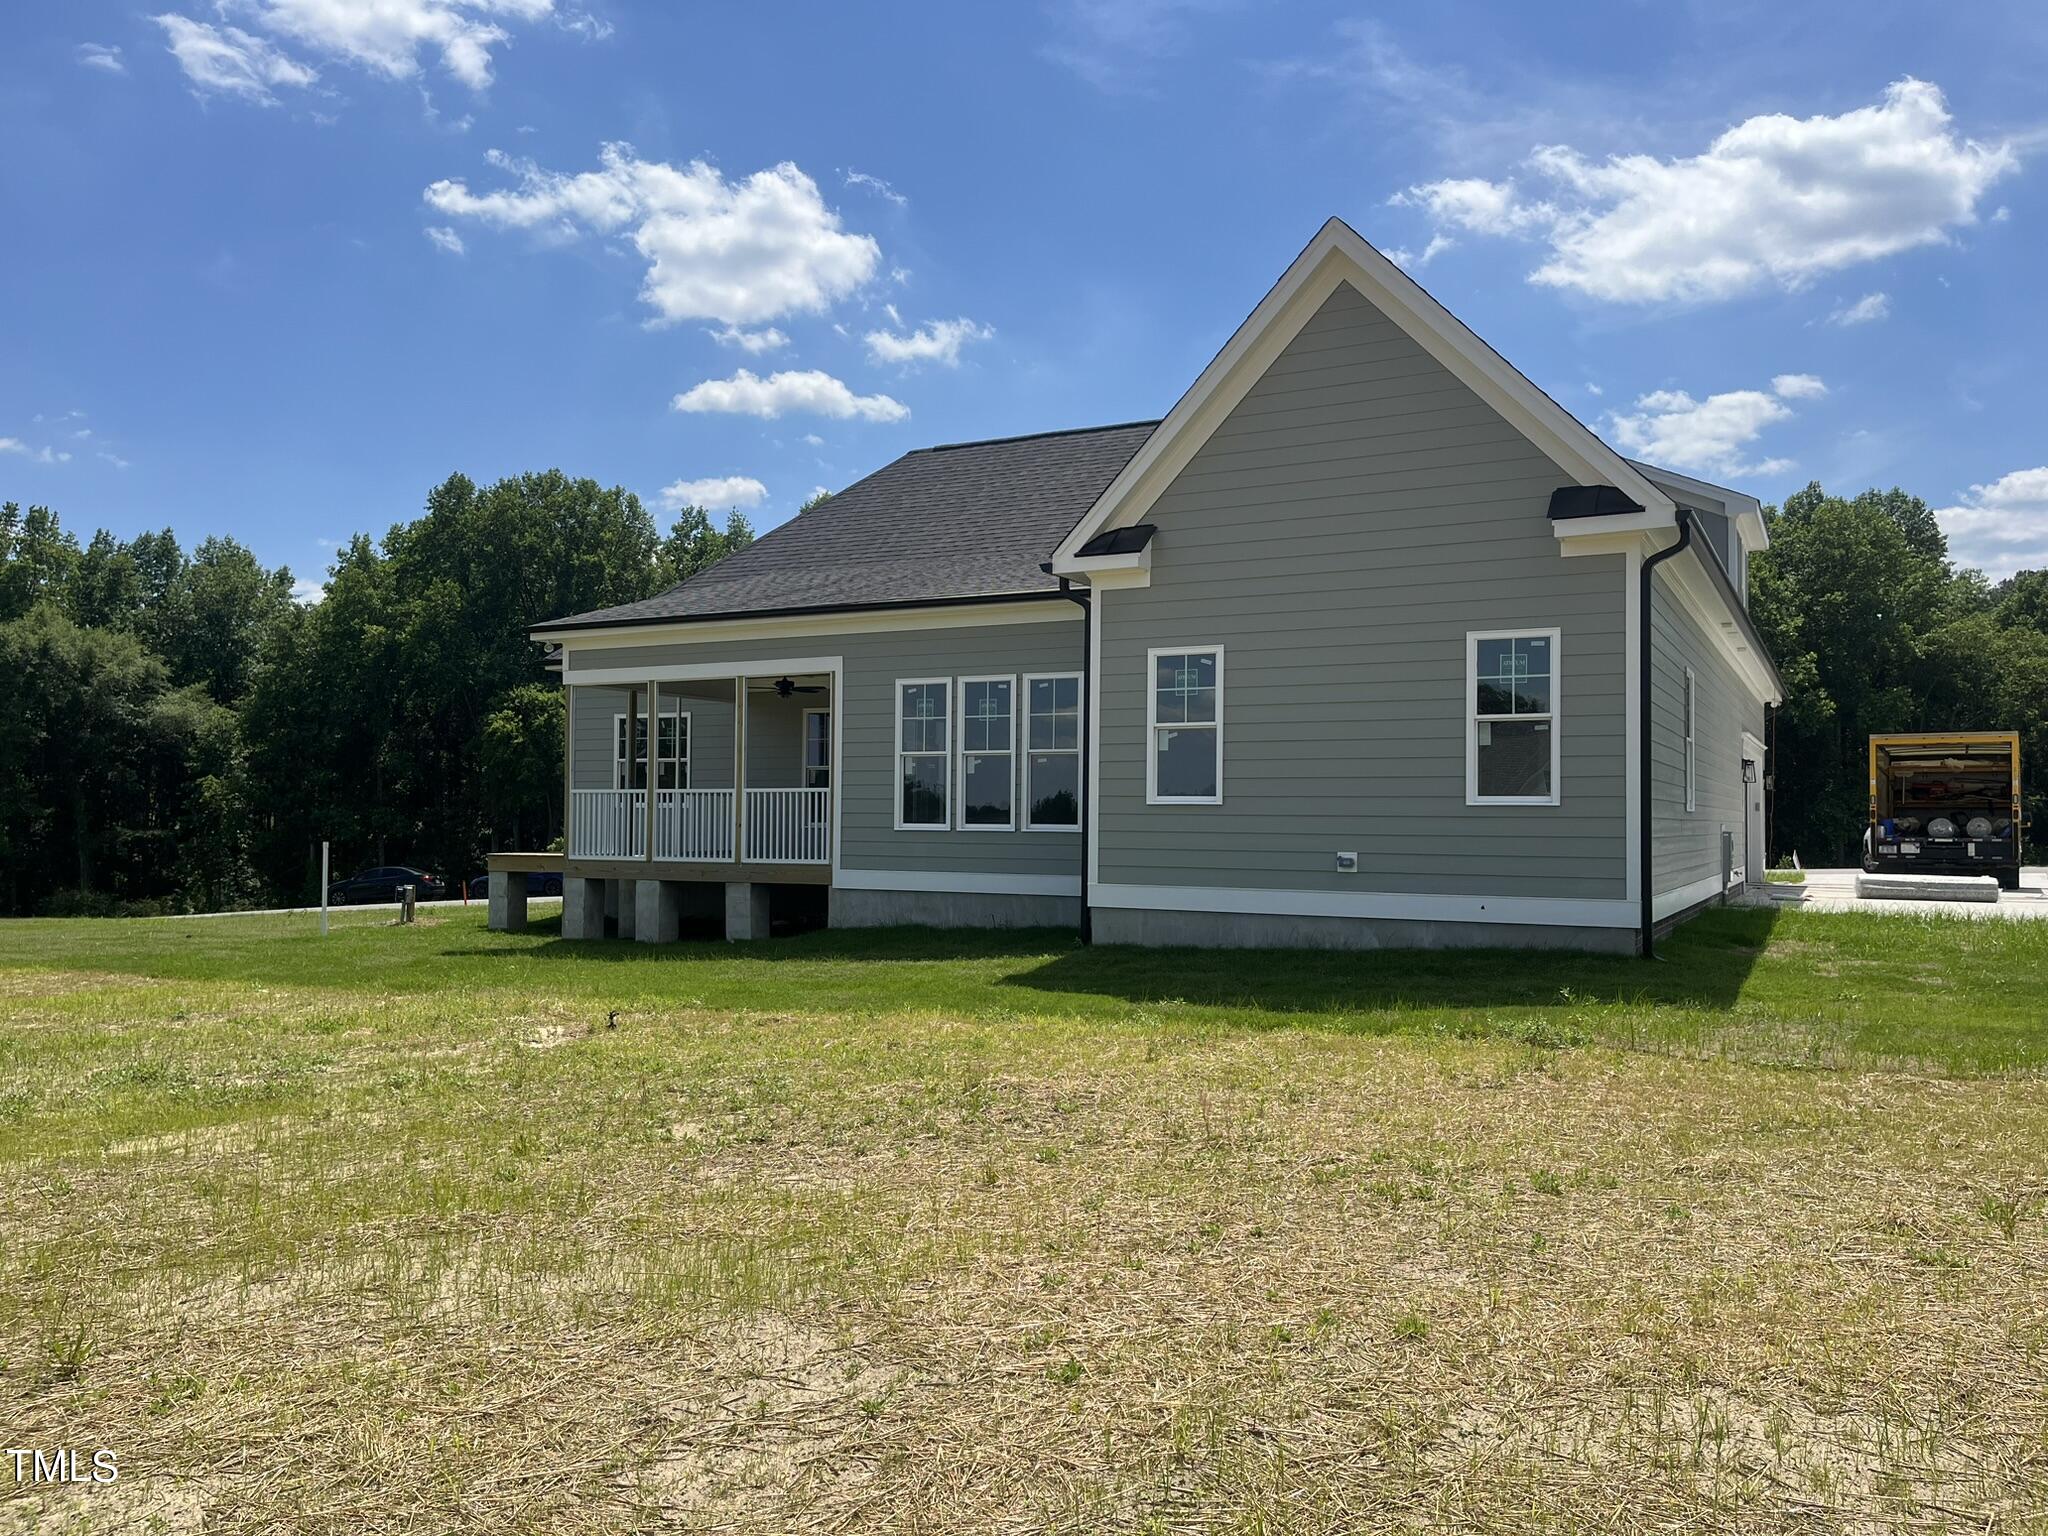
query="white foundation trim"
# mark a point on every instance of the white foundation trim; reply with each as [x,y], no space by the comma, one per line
[1685,896]
[964,882]
[1545,911]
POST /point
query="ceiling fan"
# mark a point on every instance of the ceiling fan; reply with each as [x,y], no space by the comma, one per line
[785,686]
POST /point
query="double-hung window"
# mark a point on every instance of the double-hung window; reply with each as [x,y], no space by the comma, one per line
[1511,725]
[1184,726]
[1691,766]
[817,749]
[671,752]
[1052,752]
[923,753]
[988,772]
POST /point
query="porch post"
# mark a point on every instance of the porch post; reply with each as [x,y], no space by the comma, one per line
[653,759]
[617,820]
[568,763]
[739,770]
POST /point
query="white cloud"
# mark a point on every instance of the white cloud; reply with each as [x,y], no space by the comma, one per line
[1114,44]
[309,594]
[446,239]
[110,457]
[812,440]
[387,37]
[1872,306]
[736,251]
[767,339]
[2001,527]
[102,56]
[938,342]
[590,28]
[718,491]
[820,394]
[226,61]
[1774,200]
[876,185]
[1670,428]
[43,455]
[2000,214]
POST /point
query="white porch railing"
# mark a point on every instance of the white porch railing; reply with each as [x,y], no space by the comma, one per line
[694,824]
[609,824]
[789,826]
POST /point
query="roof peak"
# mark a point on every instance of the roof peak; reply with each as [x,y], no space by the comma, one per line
[1025,437]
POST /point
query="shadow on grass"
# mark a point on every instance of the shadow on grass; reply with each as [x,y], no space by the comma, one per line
[1703,965]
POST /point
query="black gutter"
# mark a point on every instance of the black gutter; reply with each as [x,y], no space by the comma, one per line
[668,620]
[1080,595]
[1645,770]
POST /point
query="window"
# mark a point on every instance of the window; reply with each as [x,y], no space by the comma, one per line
[1511,693]
[1691,769]
[817,749]
[1052,748]
[923,755]
[1185,722]
[988,773]
[672,751]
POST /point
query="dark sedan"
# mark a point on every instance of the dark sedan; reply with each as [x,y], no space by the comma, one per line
[368,886]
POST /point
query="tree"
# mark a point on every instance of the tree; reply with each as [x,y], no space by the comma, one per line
[37,559]
[2021,601]
[693,545]
[522,764]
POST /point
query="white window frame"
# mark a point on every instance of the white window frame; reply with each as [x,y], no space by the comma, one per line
[808,767]
[945,685]
[622,776]
[961,754]
[1555,717]
[1152,724]
[1025,750]
[1691,727]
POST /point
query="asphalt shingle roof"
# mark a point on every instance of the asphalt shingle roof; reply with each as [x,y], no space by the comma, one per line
[966,520]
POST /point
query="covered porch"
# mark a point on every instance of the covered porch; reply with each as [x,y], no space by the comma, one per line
[702,778]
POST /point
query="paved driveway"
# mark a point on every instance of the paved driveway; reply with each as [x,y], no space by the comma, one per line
[1834,890]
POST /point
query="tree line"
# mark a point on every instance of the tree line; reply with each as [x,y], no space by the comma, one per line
[180,733]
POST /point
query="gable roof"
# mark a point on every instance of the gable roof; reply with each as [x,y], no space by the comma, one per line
[1336,255]
[959,522]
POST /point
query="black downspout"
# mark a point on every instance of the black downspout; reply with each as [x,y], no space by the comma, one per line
[1079,595]
[1644,767]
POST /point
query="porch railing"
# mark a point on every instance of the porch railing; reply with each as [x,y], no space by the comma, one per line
[789,826]
[694,824]
[608,824]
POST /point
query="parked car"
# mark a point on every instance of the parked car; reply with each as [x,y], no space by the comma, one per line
[537,884]
[382,883]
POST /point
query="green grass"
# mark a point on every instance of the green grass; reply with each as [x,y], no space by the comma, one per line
[918,1231]
[1785,876]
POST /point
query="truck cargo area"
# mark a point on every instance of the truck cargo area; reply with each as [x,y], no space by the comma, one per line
[1945,804]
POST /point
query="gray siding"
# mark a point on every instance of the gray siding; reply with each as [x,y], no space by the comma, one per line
[873,662]
[709,706]
[1344,528]
[1686,846]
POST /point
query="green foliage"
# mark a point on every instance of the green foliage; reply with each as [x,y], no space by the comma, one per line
[694,545]
[1875,631]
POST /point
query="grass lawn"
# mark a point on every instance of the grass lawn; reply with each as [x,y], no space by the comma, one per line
[1785,876]
[928,1232]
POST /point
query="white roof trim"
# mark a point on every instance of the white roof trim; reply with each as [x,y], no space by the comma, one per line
[1744,510]
[1338,254]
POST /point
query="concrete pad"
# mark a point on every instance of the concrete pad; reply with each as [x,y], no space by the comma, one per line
[1926,887]
[582,908]
[658,912]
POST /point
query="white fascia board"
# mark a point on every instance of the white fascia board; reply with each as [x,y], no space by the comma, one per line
[1091,566]
[1703,600]
[863,621]
[1539,911]
[1338,254]
[1575,534]
[1743,509]
[705,671]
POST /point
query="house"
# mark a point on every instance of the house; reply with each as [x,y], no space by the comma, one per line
[1367,643]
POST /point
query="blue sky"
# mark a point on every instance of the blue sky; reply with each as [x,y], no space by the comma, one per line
[275,267]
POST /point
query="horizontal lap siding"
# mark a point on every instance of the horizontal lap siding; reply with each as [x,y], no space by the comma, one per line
[1338,535]
[873,662]
[594,709]
[1686,846]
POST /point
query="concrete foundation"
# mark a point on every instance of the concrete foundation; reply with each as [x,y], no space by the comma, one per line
[582,908]
[746,911]
[1255,930]
[657,911]
[618,906]
[1927,887]
[507,910]
[951,909]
